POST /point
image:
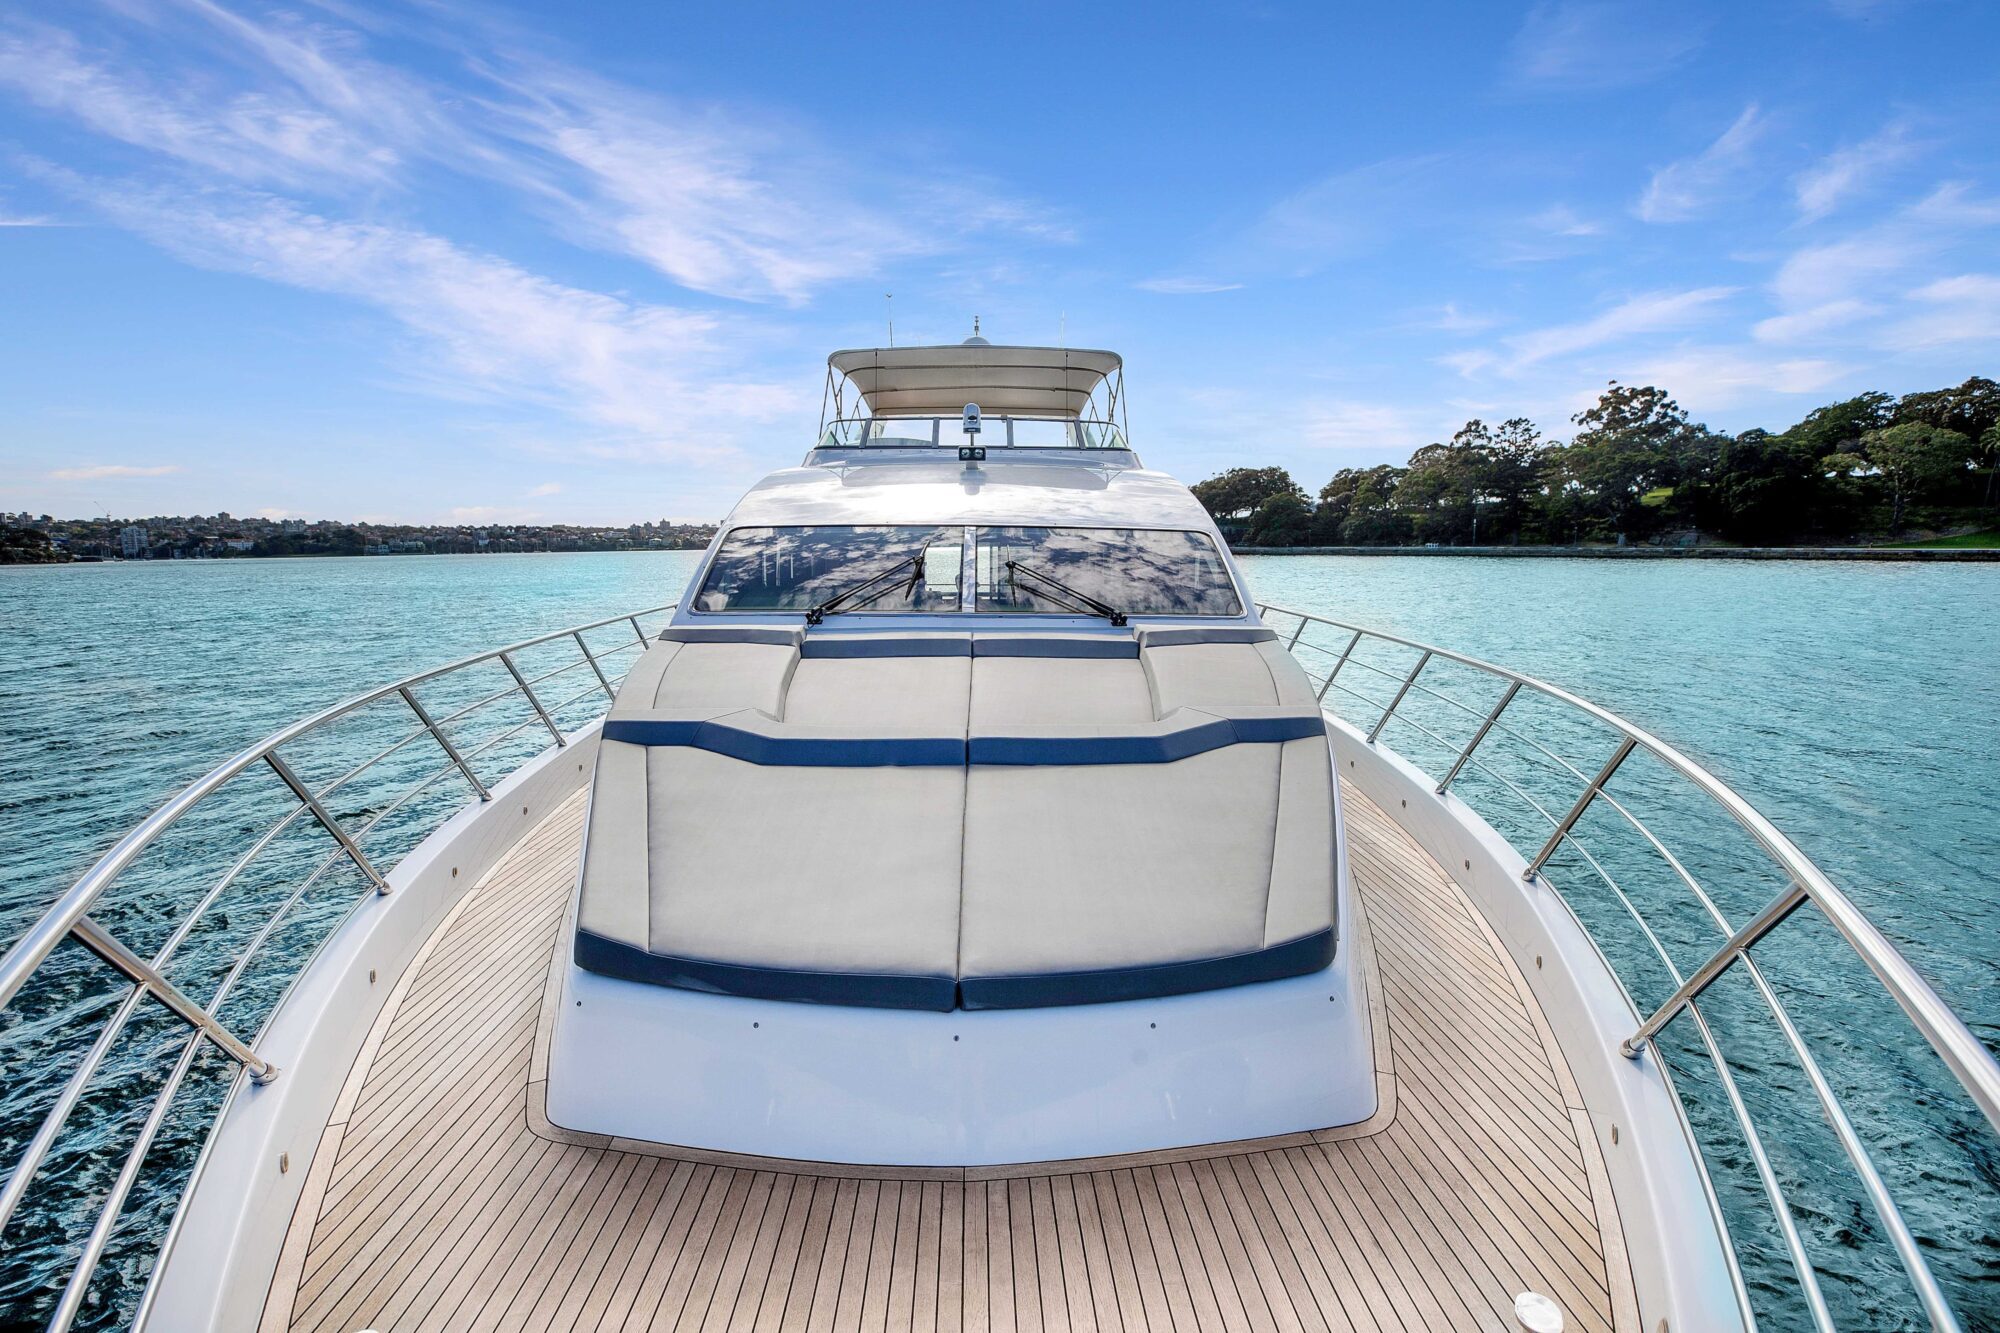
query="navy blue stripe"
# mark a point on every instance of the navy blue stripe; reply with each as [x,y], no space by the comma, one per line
[873,990]
[1163,748]
[856,645]
[772,634]
[951,752]
[1173,638]
[1292,959]
[1029,647]
[791,751]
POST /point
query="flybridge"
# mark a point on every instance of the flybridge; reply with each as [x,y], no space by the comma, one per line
[975,396]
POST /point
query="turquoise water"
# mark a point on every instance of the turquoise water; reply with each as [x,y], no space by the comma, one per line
[1857,705]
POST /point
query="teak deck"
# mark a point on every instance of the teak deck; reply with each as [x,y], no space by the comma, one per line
[441,1198]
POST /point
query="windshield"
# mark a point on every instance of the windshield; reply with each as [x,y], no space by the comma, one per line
[1136,571]
[796,569]
[1131,571]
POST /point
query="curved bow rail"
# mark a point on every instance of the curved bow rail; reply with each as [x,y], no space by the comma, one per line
[1492,737]
[482,717]
[1459,718]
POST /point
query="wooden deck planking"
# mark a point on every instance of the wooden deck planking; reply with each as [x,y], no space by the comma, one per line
[449,1202]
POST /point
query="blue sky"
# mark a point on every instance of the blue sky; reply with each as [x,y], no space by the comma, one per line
[433,261]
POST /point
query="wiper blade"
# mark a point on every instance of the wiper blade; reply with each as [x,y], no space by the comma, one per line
[1078,601]
[840,600]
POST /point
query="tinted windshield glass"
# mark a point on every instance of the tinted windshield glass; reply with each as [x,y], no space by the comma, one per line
[792,569]
[1137,572]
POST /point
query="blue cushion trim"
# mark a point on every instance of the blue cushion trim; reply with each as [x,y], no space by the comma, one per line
[858,645]
[1292,959]
[1173,638]
[951,751]
[772,634]
[613,958]
[1163,748]
[793,751]
[1031,647]
[875,990]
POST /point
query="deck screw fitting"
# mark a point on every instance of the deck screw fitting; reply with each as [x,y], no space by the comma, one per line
[1468,865]
[454,872]
[756,1025]
[1614,1134]
[1538,962]
[284,1162]
[371,976]
[524,809]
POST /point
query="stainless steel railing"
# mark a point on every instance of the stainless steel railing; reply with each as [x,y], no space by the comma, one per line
[70,917]
[1334,653]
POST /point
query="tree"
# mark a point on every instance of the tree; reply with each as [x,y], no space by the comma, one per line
[1633,442]
[1971,409]
[1283,520]
[1915,458]
[1239,492]
[1359,508]
[1838,427]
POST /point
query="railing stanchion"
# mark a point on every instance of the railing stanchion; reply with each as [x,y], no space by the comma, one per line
[136,969]
[444,742]
[1390,711]
[507,660]
[1774,913]
[326,820]
[1513,688]
[602,679]
[1625,747]
[636,630]
[1340,662]
[1295,635]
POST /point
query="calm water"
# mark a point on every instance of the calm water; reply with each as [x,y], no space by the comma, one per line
[1857,705]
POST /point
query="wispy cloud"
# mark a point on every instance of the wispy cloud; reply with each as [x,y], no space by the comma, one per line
[1348,213]
[547,488]
[270,134]
[1814,322]
[714,199]
[1721,377]
[1562,220]
[1649,312]
[1186,286]
[111,471]
[1593,47]
[1353,425]
[1448,318]
[1688,188]
[1962,309]
[485,324]
[1829,182]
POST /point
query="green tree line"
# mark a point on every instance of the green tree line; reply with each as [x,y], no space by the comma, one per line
[1637,469]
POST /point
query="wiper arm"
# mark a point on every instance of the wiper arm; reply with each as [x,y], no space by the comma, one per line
[1078,601]
[839,601]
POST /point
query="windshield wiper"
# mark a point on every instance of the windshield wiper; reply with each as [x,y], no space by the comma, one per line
[838,602]
[1078,601]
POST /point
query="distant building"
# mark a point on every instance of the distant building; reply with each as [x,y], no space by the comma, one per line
[292,527]
[134,541]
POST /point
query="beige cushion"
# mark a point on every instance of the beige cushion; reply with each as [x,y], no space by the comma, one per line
[1111,865]
[842,869]
[1009,692]
[924,694]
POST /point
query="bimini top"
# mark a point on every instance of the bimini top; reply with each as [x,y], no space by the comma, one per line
[1022,381]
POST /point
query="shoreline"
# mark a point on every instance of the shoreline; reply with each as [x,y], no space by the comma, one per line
[1947,554]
